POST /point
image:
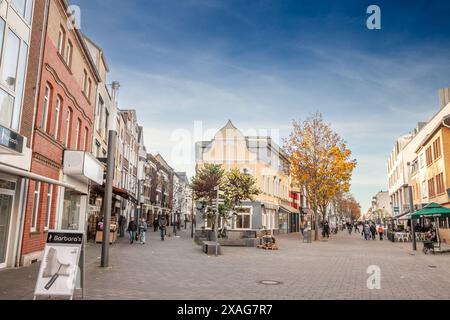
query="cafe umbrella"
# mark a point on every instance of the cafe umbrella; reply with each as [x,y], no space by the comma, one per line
[432,210]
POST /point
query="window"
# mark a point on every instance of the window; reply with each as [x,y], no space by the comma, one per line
[437,148]
[421,161]
[431,188]
[440,187]
[86,139]
[89,89]
[68,127]
[24,8]
[34,218]
[11,61]
[57,117]
[263,183]
[424,190]
[6,108]
[69,53]
[100,106]
[77,134]
[47,98]
[61,40]
[429,156]
[49,206]
[20,85]
[84,84]
[106,122]
[243,218]
[2,32]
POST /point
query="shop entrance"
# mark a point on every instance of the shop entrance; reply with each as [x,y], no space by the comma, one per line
[7,190]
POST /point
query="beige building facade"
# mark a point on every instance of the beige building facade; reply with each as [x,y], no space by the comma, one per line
[262,158]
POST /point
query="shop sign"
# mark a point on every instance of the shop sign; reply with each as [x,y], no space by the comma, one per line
[59,268]
[11,140]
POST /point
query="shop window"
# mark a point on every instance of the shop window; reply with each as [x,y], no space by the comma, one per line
[71,211]
[243,218]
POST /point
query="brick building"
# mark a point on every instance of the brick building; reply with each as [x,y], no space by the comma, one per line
[63,128]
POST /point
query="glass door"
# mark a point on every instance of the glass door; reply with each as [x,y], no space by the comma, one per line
[6,202]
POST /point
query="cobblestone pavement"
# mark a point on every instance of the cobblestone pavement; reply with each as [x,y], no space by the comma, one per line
[177,269]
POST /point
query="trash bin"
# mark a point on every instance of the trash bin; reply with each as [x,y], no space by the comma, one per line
[307,236]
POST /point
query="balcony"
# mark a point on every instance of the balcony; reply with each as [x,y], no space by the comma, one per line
[83,166]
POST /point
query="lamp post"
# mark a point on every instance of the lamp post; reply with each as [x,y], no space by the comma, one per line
[112,139]
[411,209]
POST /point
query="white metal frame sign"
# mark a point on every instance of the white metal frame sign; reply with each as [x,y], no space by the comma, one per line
[59,267]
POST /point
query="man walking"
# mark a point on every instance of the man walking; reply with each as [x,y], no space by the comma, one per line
[132,227]
[142,230]
[155,224]
[162,226]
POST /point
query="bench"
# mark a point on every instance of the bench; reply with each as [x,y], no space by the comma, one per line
[209,247]
[243,242]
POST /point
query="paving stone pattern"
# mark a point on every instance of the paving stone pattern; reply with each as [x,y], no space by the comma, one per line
[177,269]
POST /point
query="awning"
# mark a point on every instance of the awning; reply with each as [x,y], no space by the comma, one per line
[33,176]
[288,209]
[433,210]
[117,191]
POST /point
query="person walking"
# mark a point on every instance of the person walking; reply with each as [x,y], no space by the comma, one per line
[162,226]
[356,227]
[326,230]
[142,230]
[381,231]
[302,227]
[155,224]
[121,226]
[373,231]
[366,231]
[132,227]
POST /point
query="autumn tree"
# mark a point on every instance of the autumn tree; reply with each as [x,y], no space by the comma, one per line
[346,205]
[320,162]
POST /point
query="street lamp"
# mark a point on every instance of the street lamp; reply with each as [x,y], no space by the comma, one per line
[411,208]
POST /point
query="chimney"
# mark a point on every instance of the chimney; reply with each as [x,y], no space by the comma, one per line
[115,91]
[444,97]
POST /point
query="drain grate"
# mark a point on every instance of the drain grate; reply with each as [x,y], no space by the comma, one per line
[432,267]
[270,282]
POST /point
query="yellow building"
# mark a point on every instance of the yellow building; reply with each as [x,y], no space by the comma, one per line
[262,158]
[436,184]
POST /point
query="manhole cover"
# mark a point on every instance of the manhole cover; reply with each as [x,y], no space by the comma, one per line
[270,282]
[432,267]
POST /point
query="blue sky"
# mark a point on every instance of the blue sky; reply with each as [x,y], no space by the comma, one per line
[264,63]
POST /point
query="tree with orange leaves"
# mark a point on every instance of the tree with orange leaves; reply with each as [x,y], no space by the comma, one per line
[320,162]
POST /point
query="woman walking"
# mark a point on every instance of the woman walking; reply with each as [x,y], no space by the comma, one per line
[142,230]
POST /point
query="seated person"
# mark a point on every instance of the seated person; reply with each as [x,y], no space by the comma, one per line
[431,235]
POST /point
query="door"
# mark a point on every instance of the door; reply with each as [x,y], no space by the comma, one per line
[6,203]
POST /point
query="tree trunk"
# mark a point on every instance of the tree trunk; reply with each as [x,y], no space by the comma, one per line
[316,227]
